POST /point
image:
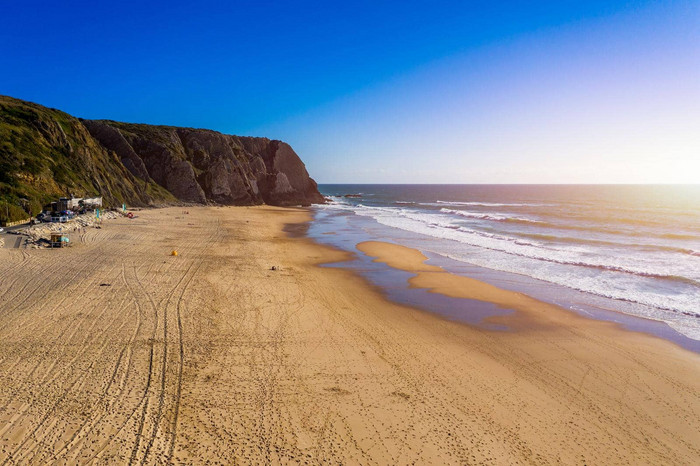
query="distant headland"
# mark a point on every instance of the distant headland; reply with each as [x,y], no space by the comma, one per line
[45,153]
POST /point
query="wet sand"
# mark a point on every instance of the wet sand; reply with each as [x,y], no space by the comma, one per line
[531,312]
[114,351]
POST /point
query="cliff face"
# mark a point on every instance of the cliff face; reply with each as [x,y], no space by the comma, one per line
[45,153]
[200,165]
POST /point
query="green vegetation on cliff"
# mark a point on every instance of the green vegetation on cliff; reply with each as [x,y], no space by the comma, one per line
[46,153]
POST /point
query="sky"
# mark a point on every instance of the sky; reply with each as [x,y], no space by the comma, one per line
[387,92]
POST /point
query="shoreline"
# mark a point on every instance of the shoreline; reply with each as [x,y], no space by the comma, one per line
[613,331]
[346,234]
[595,251]
[436,280]
[212,354]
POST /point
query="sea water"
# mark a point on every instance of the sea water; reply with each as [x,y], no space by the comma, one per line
[606,250]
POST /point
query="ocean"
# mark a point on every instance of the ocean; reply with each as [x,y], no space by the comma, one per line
[627,253]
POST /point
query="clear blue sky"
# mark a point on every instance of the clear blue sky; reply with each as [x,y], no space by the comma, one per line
[560,91]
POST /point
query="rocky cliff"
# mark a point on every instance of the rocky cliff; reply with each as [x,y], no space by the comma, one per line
[46,153]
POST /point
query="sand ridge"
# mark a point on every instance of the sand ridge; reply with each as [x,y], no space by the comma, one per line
[211,356]
[531,311]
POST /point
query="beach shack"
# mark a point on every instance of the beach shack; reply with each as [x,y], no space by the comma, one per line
[66,203]
[91,202]
[59,240]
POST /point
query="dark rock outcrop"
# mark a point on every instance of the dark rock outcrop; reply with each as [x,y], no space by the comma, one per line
[198,165]
[46,153]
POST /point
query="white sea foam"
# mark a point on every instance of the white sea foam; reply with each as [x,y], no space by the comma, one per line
[442,226]
[478,215]
[631,278]
[488,204]
[489,216]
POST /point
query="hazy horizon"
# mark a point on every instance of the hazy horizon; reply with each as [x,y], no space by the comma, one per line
[542,184]
[439,93]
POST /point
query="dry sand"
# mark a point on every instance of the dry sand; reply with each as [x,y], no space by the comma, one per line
[212,356]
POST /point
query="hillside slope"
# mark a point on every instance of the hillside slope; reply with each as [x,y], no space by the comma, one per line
[46,153]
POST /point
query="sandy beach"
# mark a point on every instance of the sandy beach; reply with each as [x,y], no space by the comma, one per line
[114,351]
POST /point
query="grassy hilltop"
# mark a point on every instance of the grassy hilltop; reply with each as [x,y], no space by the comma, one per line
[46,153]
